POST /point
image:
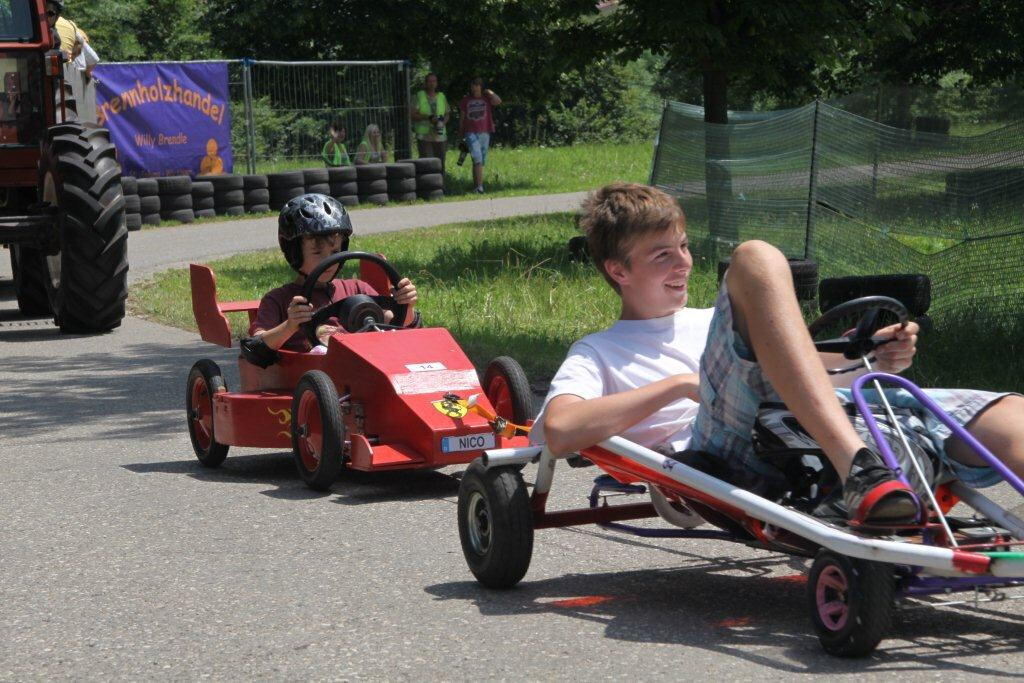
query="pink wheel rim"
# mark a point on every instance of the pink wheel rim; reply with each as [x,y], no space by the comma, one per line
[202,414]
[831,598]
[310,424]
[500,396]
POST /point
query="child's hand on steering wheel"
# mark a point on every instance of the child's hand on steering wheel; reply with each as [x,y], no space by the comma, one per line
[897,355]
[405,292]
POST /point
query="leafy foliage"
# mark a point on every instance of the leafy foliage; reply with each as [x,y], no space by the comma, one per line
[138,30]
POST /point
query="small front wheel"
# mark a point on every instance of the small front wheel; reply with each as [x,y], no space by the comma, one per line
[317,430]
[508,390]
[204,380]
[851,603]
[495,524]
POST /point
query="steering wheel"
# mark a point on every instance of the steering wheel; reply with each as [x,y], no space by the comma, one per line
[861,341]
[356,313]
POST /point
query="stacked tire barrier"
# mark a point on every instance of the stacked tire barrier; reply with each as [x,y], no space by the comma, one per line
[284,186]
[429,181]
[228,194]
[401,181]
[372,183]
[149,200]
[316,180]
[132,208]
[176,198]
[202,199]
[255,194]
[342,184]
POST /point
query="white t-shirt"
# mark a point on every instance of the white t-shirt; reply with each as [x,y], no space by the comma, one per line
[631,354]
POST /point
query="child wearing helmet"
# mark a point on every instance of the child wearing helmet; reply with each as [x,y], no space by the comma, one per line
[311,228]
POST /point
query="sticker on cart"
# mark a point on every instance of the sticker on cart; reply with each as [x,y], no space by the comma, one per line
[424,367]
[469,442]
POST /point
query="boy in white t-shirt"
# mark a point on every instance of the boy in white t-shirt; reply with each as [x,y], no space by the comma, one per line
[670,377]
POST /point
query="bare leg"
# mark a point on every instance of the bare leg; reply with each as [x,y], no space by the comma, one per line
[767,316]
[1001,429]
[478,175]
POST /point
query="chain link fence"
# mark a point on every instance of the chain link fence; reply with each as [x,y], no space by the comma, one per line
[860,196]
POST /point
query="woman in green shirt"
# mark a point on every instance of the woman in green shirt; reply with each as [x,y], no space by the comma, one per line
[430,115]
[334,152]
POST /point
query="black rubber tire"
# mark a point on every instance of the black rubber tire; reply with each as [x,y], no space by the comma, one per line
[495,524]
[315,176]
[132,203]
[319,188]
[424,165]
[429,181]
[869,599]
[349,200]
[129,185]
[913,290]
[285,180]
[174,185]
[147,187]
[255,181]
[229,198]
[404,197]
[367,172]
[133,221]
[804,272]
[225,182]
[257,208]
[149,204]
[88,277]
[151,219]
[169,203]
[210,454]
[325,473]
[401,185]
[279,199]
[430,194]
[181,215]
[341,174]
[345,189]
[368,187]
[257,196]
[205,213]
[202,188]
[28,266]
[203,204]
[237,210]
[400,170]
[379,199]
[508,369]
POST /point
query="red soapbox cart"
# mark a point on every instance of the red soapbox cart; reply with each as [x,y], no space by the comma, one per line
[380,398]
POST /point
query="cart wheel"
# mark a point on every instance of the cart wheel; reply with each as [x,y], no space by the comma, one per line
[204,380]
[508,390]
[851,603]
[317,430]
[495,525]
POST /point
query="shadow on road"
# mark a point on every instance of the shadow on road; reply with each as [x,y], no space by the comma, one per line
[751,613]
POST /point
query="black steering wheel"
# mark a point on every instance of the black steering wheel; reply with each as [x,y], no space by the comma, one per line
[359,312]
[861,341]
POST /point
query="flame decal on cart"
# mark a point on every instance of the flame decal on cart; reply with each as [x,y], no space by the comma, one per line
[284,417]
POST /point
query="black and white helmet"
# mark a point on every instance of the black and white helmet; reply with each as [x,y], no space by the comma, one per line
[310,214]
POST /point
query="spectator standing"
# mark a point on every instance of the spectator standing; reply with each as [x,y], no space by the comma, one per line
[334,152]
[476,123]
[371,150]
[430,115]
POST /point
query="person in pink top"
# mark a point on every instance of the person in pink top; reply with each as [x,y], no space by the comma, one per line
[476,123]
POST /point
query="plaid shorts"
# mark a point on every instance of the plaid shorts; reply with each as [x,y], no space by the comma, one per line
[732,387]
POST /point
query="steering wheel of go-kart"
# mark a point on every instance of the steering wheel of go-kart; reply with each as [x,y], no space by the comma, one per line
[359,312]
[861,341]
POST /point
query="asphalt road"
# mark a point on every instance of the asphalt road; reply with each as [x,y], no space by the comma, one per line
[121,558]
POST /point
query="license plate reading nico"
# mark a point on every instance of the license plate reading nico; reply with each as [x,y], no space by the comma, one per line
[469,442]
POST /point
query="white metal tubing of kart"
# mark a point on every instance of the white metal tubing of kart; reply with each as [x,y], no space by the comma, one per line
[498,457]
[894,552]
[545,472]
[910,454]
[985,506]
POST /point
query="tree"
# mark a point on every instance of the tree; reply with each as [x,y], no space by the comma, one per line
[137,30]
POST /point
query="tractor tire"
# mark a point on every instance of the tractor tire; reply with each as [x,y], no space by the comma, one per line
[88,275]
[507,388]
[28,266]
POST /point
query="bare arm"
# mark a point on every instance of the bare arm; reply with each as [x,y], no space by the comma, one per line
[493,97]
[572,423]
[298,312]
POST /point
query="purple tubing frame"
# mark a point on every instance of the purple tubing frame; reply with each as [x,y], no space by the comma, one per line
[862,406]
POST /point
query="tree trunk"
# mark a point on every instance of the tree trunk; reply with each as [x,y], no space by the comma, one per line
[718,183]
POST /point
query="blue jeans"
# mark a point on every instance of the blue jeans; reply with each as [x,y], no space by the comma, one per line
[478,144]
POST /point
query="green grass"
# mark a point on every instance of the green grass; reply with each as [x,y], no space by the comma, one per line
[508,287]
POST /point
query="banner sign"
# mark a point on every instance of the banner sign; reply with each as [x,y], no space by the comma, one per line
[167,119]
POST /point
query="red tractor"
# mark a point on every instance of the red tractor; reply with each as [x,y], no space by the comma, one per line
[61,204]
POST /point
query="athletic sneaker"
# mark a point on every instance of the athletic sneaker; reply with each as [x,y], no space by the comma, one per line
[479,189]
[874,496]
